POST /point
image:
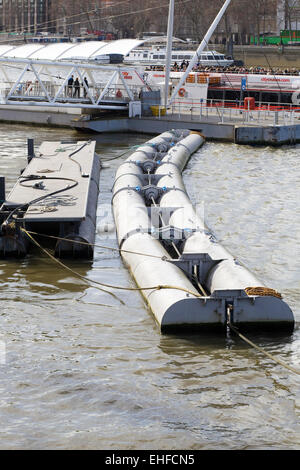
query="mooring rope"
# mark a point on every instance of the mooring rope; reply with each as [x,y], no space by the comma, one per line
[155,288]
[103,247]
[70,269]
[258,348]
[109,159]
[109,286]
[262,291]
[270,356]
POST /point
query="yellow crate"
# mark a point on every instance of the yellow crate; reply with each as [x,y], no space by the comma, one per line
[158,110]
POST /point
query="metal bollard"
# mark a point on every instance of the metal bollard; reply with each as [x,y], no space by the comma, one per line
[2,189]
[30,149]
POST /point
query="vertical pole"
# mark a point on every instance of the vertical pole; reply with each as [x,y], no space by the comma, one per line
[22,17]
[46,15]
[3,15]
[28,16]
[35,16]
[202,45]
[169,50]
[9,17]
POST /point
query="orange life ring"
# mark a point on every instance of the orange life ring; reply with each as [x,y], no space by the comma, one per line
[181,92]
[119,94]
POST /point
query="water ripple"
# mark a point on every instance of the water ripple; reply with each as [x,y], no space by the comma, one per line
[85,371]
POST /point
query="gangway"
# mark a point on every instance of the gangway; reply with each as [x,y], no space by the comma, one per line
[35,82]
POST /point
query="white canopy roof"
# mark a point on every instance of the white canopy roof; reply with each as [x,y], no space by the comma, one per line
[69,50]
[4,48]
[122,46]
[22,51]
[52,51]
[83,50]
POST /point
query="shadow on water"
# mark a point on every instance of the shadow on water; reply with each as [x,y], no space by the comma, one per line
[39,273]
[104,371]
[211,343]
[213,360]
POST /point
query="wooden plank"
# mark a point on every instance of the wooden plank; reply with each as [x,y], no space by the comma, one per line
[61,165]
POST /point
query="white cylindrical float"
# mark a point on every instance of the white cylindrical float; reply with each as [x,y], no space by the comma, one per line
[202,282]
[173,299]
[252,304]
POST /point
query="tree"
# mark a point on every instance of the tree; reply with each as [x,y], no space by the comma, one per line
[132,18]
[260,12]
[190,18]
[291,13]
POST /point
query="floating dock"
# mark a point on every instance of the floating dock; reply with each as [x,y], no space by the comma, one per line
[56,194]
[118,98]
[214,128]
[188,280]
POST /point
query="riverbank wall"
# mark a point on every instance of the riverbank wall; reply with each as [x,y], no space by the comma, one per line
[266,56]
[213,129]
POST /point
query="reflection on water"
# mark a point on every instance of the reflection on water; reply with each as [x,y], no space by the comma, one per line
[85,370]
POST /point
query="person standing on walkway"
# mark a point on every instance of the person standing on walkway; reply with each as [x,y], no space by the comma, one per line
[85,86]
[70,85]
[76,88]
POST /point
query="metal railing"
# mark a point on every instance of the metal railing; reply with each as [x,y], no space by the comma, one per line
[220,111]
[54,93]
[51,93]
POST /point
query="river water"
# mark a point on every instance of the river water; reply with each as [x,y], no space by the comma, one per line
[82,369]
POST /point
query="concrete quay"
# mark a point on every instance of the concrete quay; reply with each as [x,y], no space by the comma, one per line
[234,129]
[213,129]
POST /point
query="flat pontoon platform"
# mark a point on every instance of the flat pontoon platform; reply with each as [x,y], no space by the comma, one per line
[57,166]
[56,194]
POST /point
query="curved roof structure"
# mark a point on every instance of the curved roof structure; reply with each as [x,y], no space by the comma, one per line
[83,50]
[5,48]
[122,46]
[88,50]
[52,51]
[21,51]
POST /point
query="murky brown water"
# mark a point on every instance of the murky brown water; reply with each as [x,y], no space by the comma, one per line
[84,371]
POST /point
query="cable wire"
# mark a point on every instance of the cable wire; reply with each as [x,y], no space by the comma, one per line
[121,155]
[270,356]
[258,348]
[119,250]
[159,287]
[95,10]
[109,286]
[41,198]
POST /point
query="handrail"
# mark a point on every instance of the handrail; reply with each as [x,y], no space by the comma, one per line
[229,111]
